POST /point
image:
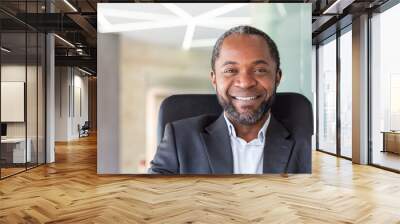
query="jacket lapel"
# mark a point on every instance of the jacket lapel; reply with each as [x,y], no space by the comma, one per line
[277,149]
[218,147]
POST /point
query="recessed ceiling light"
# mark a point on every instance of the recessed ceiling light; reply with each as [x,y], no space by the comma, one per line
[70,5]
[337,7]
[64,40]
[5,50]
[84,71]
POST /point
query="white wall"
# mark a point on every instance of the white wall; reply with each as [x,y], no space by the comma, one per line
[80,83]
[108,155]
[68,82]
[11,73]
[62,81]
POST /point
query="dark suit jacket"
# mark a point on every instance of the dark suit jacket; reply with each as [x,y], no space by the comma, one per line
[201,145]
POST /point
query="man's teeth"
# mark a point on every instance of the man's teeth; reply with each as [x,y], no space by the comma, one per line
[245,98]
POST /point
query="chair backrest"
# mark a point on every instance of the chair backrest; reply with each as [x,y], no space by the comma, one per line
[86,125]
[293,110]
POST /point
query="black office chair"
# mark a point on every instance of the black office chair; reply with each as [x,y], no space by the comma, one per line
[84,129]
[293,110]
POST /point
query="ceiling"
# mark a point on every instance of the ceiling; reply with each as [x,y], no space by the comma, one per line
[76,21]
[189,25]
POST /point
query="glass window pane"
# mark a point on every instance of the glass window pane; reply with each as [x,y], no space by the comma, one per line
[327,96]
[31,87]
[22,90]
[385,86]
[314,90]
[41,98]
[13,86]
[31,97]
[346,94]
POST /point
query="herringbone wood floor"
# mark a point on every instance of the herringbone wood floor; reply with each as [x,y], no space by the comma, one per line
[70,191]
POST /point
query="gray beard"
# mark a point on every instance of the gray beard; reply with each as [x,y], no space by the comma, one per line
[248,118]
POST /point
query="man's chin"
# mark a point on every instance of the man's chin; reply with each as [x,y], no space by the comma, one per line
[246,110]
[245,118]
[248,115]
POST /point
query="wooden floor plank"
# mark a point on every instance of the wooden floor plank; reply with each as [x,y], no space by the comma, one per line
[70,191]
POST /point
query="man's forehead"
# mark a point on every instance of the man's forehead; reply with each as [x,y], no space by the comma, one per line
[253,62]
[245,39]
[237,55]
[244,44]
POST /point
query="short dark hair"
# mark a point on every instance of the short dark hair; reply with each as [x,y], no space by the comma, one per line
[248,30]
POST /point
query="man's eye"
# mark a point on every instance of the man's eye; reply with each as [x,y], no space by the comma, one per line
[260,70]
[230,70]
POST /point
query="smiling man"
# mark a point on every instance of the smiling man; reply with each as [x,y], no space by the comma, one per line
[245,138]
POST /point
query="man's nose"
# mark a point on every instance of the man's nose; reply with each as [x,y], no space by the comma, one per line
[245,80]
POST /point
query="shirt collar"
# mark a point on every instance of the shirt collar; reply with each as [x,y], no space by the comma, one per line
[261,133]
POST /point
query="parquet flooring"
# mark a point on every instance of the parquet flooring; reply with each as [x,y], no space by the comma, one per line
[70,191]
[10,171]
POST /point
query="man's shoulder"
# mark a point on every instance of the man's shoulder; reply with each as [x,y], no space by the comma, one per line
[195,123]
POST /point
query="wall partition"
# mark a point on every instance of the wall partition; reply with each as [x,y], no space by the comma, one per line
[22,88]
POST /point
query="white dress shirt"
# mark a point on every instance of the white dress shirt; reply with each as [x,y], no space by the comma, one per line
[248,157]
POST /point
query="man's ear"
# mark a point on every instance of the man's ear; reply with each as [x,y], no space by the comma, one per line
[213,79]
[278,77]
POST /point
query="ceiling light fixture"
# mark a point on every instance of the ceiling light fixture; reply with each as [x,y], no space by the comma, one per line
[187,41]
[221,10]
[70,5]
[338,6]
[153,20]
[64,40]
[5,50]
[190,24]
[84,71]
[79,51]
[141,26]
[177,10]
[281,9]
[135,15]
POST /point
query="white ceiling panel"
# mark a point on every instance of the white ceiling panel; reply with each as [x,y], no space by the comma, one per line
[183,25]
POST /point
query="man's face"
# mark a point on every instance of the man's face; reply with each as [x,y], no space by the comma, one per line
[245,78]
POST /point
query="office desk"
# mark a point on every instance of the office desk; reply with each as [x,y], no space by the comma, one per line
[391,141]
[13,150]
